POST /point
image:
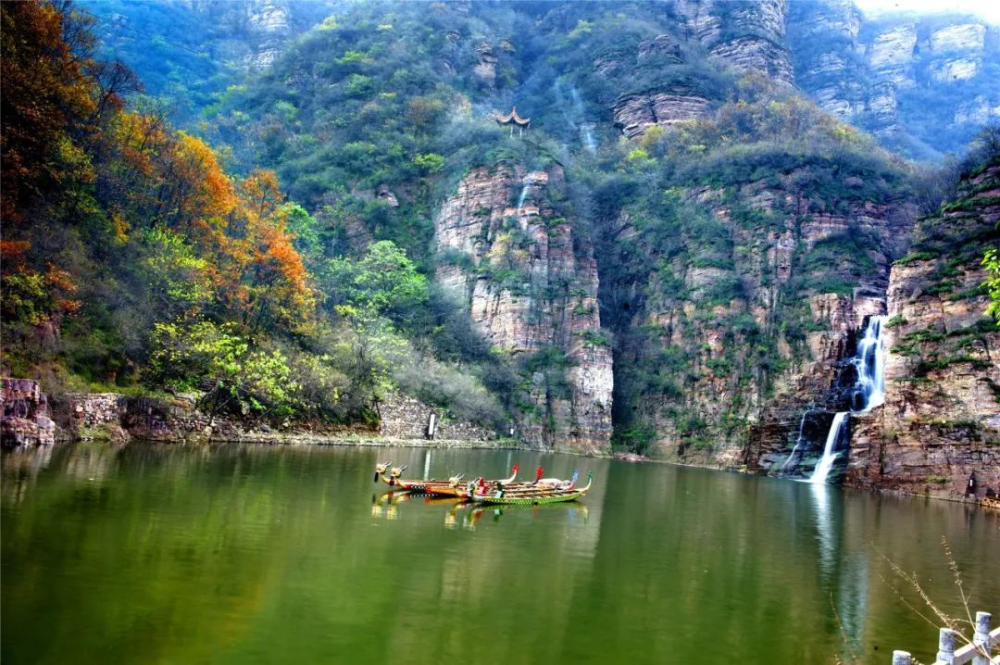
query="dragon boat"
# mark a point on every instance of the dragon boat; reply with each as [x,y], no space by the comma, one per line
[446,487]
[499,495]
[465,490]
[535,487]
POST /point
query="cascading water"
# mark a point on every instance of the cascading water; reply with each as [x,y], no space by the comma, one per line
[869,362]
[524,193]
[574,113]
[868,392]
[798,444]
[830,453]
[586,130]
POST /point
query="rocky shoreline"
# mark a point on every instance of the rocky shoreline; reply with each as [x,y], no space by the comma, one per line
[32,419]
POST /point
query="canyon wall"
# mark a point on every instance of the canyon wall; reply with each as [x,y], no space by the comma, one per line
[923,83]
[736,323]
[529,282]
[940,424]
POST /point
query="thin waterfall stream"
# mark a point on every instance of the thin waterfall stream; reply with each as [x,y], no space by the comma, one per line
[790,461]
[520,200]
[868,392]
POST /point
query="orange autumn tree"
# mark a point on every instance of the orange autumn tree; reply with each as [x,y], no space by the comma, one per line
[45,103]
[265,282]
[255,271]
[174,271]
[53,103]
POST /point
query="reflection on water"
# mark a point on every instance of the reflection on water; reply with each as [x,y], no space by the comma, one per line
[459,513]
[824,529]
[244,554]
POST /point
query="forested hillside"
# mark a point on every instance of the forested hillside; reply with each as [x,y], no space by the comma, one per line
[675,258]
[134,262]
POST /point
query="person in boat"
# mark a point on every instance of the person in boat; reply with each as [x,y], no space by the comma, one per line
[559,483]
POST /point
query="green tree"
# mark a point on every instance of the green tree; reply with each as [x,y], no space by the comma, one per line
[384,282]
[246,379]
[992,264]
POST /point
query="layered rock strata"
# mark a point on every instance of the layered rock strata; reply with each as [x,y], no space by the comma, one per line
[940,425]
[748,36]
[747,335]
[903,77]
[634,114]
[25,419]
[530,285]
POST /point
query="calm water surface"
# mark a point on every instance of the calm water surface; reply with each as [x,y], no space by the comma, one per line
[158,554]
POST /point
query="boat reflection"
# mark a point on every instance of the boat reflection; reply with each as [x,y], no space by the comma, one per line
[573,512]
[386,506]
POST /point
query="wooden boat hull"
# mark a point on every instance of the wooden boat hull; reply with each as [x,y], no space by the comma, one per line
[530,499]
[462,491]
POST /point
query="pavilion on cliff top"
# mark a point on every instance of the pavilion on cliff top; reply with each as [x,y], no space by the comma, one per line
[513,119]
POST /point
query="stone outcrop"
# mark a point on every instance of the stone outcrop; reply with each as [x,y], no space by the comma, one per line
[748,36]
[634,114]
[661,49]
[269,28]
[941,420]
[880,75]
[964,37]
[486,67]
[530,285]
[756,54]
[89,415]
[252,33]
[25,419]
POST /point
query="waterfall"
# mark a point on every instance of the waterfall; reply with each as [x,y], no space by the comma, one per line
[798,443]
[868,391]
[830,453]
[528,181]
[586,130]
[869,362]
[588,138]
[524,193]
[574,114]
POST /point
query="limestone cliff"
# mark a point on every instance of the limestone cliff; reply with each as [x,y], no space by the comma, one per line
[24,414]
[249,34]
[741,37]
[529,281]
[923,83]
[748,36]
[941,420]
[743,321]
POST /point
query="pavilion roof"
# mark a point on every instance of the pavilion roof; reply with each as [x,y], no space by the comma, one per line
[514,118]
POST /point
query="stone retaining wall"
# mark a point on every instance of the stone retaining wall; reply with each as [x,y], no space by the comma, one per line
[408,418]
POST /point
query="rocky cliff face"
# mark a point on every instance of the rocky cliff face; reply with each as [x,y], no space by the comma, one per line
[259,29]
[248,33]
[727,343]
[748,36]
[923,83]
[530,284]
[24,414]
[634,114]
[941,421]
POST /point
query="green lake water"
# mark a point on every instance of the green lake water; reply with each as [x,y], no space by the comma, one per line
[173,554]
